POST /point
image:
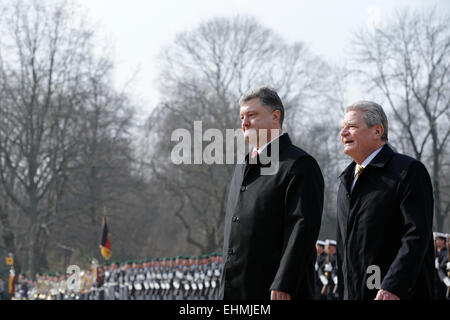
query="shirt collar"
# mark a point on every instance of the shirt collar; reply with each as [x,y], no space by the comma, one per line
[368,159]
[264,146]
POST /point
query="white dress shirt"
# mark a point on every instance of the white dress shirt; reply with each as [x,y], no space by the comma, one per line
[363,165]
[264,146]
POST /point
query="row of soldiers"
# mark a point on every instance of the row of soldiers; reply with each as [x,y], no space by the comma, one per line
[326,279]
[187,278]
[442,266]
[175,278]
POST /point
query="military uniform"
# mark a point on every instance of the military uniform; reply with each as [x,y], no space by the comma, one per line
[441,279]
[318,267]
[327,273]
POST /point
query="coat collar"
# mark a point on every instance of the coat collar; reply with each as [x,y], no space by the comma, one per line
[383,157]
[284,141]
[379,161]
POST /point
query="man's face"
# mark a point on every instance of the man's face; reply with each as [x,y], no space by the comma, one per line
[440,243]
[319,249]
[359,140]
[330,249]
[255,117]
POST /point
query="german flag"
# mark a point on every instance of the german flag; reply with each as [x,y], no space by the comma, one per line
[105,246]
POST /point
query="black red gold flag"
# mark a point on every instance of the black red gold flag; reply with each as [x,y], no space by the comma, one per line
[105,246]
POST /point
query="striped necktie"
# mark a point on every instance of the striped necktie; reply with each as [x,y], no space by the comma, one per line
[359,170]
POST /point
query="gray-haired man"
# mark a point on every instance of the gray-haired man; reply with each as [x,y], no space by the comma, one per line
[385,214]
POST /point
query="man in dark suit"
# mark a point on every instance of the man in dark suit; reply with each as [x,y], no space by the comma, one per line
[272,220]
[385,214]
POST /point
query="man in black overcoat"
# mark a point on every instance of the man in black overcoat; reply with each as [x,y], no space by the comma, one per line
[273,216]
[385,214]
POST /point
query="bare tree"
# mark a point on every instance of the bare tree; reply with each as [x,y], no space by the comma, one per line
[45,60]
[203,75]
[407,60]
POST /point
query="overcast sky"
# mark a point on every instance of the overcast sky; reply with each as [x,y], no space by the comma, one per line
[138,29]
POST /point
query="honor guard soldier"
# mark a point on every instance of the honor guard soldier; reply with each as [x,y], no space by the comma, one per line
[167,278]
[197,280]
[208,276]
[164,279]
[100,283]
[122,287]
[203,274]
[146,279]
[21,288]
[130,280]
[115,273]
[107,279]
[32,290]
[2,289]
[171,295]
[186,285]
[191,278]
[441,280]
[62,287]
[126,280]
[152,278]
[447,280]
[140,286]
[320,262]
[178,279]
[217,274]
[44,288]
[159,271]
[328,274]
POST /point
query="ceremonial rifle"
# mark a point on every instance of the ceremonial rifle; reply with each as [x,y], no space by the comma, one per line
[324,290]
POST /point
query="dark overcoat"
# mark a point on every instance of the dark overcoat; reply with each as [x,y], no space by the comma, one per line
[271,226]
[386,222]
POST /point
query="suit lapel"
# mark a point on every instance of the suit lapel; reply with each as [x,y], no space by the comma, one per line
[346,176]
[253,171]
[366,177]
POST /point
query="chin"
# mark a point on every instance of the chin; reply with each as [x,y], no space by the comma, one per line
[348,152]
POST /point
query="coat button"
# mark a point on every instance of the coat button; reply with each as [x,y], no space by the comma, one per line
[235,218]
[230,251]
[348,195]
[243,188]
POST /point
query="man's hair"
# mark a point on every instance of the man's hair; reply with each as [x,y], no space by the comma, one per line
[373,114]
[268,97]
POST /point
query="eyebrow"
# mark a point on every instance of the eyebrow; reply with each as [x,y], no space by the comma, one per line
[349,123]
[247,111]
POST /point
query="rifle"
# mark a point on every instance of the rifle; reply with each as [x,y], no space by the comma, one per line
[335,287]
[324,290]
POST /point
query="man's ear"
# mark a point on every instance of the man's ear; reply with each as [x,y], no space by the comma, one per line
[379,130]
[276,114]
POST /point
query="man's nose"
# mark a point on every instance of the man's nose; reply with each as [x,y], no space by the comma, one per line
[344,132]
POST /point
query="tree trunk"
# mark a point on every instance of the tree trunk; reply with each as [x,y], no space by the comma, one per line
[8,235]
[436,185]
